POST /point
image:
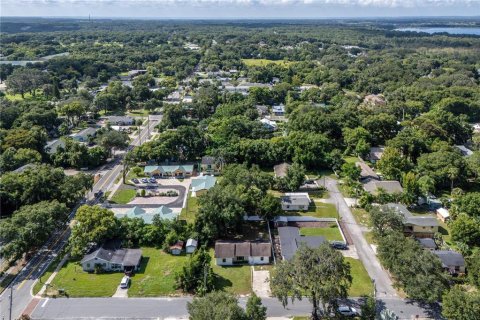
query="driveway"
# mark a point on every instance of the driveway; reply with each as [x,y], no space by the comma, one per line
[261,283]
[383,283]
[176,202]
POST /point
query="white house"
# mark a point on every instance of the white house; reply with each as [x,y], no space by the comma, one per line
[443,214]
[228,253]
[191,245]
[295,201]
[112,260]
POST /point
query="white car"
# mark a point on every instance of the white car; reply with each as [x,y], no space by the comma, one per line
[125,282]
[347,311]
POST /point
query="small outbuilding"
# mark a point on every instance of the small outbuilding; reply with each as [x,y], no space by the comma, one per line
[177,248]
[191,245]
[443,214]
[294,201]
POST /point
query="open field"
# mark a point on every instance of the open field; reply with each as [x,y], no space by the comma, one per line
[264,62]
[318,210]
[157,274]
[330,233]
[188,214]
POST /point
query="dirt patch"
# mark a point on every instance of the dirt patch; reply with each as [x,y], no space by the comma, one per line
[311,224]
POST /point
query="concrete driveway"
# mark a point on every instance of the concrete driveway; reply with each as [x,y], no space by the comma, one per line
[261,283]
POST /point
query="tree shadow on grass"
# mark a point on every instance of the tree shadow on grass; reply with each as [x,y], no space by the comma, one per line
[143,266]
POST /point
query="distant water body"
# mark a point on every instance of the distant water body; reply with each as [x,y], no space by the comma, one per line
[25,62]
[469,31]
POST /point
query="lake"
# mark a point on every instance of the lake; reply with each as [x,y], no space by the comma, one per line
[469,31]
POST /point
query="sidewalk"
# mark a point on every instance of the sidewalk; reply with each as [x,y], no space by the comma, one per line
[52,276]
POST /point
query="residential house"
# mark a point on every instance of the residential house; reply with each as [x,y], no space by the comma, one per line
[228,253]
[120,120]
[269,124]
[211,165]
[290,240]
[278,110]
[112,259]
[84,135]
[464,150]
[177,248]
[262,110]
[24,168]
[452,261]
[162,171]
[53,145]
[281,170]
[202,184]
[366,173]
[133,73]
[427,243]
[418,226]
[375,154]
[173,98]
[187,100]
[192,46]
[443,214]
[191,245]
[294,201]
[374,100]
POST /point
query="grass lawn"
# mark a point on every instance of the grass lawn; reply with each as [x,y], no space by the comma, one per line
[369,237]
[44,277]
[361,282]
[350,159]
[361,216]
[190,211]
[157,274]
[264,62]
[78,283]
[318,210]
[234,279]
[139,113]
[317,174]
[123,196]
[330,233]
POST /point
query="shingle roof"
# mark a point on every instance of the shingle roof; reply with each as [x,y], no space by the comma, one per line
[232,249]
[125,257]
[411,219]
[224,249]
[242,249]
[428,243]
[170,168]
[261,249]
[366,172]
[290,240]
[281,169]
[376,153]
[450,258]
[388,186]
[299,199]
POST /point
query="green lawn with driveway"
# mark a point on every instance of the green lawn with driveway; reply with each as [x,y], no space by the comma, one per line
[330,233]
[361,282]
[235,279]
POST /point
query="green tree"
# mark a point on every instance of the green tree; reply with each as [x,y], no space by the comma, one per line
[368,309]
[410,188]
[459,304]
[392,164]
[468,203]
[255,310]
[196,276]
[112,139]
[93,224]
[321,274]
[473,267]
[384,220]
[216,305]
[465,229]
[351,172]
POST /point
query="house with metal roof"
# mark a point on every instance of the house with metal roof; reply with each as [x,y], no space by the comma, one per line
[294,201]
[290,240]
[178,170]
[112,260]
[278,110]
[202,183]
[375,154]
[229,252]
[137,212]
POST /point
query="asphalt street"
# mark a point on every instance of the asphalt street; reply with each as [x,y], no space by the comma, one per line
[176,308]
[383,283]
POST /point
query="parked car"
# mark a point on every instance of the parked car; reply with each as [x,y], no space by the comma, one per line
[144,180]
[125,282]
[347,311]
[152,180]
[135,180]
[339,245]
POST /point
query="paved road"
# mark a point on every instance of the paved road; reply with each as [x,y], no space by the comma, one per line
[383,282]
[22,284]
[175,308]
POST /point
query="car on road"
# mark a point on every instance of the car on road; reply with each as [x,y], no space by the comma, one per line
[125,282]
[144,180]
[152,180]
[135,180]
[340,245]
[347,311]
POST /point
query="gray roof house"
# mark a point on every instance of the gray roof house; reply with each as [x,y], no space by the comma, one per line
[229,252]
[294,201]
[427,243]
[53,145]
[281,169]
[452,261]
[84,135]
[120,120]
[112,259]
[366,172]
[464,150]
[390,187]
[290,241]
[418,226]
[375,154]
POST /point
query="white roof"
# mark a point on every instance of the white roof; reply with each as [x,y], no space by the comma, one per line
[192,243]
[443,212]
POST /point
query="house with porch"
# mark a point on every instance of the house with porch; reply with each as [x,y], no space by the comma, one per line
[166,171]
[84,135]
[228,253]
[417,226]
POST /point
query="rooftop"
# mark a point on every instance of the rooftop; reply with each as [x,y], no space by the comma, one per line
[232,249]
[203,183]
[296,198]
[290,241]
[450,258]
[281,169]
[389,187]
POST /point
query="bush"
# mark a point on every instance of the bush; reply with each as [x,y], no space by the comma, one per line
[143,193]
[98,269]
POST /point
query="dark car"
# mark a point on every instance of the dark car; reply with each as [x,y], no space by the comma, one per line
[339,245]
[135,180]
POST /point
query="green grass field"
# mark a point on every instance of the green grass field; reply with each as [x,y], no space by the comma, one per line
[78,283]
[264,62]
[361,282]
[123,196]
[318,210]
[44,277]
[188,214]
[157,274]
[330,233]
[234,279]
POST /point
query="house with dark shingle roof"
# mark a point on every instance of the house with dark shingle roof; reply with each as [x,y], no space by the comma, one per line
[452,261]
[111,259]
[418,226]
[228,252]
[290,240]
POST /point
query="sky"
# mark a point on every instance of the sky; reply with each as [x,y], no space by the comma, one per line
[226,9]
